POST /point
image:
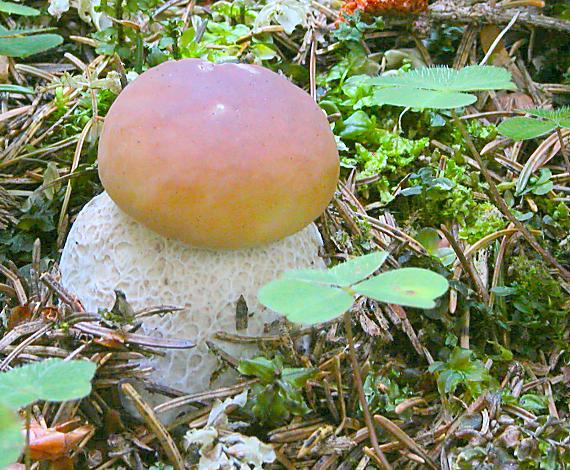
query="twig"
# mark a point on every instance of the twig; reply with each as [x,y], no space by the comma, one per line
[446,12]
[563,149]
[404,439]
[361,396]
[27,457]
[155,426]
[499,38]
[467,266]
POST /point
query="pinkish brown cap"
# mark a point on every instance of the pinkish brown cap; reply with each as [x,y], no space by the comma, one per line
[224,156]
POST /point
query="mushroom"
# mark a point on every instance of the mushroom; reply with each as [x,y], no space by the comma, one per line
[213,175]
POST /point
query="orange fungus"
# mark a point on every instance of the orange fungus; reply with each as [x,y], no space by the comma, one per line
[384,7]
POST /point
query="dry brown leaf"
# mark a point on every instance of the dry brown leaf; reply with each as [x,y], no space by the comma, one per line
[487,36]
[55,443]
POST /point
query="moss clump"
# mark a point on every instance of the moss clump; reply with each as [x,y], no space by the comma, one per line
[536,317]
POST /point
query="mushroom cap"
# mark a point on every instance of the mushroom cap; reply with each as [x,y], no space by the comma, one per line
[224,156]
[107,250]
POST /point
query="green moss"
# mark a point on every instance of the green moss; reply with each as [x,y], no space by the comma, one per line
[534,309]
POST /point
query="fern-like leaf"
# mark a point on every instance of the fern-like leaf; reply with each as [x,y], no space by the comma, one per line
[442,78]
[439,87]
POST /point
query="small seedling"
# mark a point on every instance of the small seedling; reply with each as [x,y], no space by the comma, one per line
[313,296]
[279,393]
[461,369]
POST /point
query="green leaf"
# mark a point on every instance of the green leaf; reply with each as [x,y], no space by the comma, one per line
[304,302]
[11,437]
[439,87]
[358,268]
[28,45]
[471,78]
[412,287]
[460,359]
[16,32]
[538,185]
[533,402]
[317,276]
[356,125]
[482,77]
[556,115]
[263,51]
[524,128]
[260,367]
[8,88]
[504,291]
[419,98]
[50,176]
[298,376]
[445,255]
[49,380]
[17,9]
[448,380]
[543,188]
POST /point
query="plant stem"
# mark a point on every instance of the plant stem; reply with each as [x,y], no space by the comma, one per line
[502,205]
[119,17]
[563,149]
[361,396]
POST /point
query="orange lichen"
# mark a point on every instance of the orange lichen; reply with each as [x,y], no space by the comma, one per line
[384,7]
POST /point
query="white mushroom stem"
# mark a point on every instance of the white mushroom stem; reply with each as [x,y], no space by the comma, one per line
[108,250]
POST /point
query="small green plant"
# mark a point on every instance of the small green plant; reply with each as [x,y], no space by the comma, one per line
[532,306]
[538,185]
[445,88]
[313,296]
[383,393]
[461,369]
[353,27]
[24,42]
[50,380]
[279,393]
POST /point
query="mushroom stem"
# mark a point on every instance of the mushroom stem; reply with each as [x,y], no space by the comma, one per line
[107,250]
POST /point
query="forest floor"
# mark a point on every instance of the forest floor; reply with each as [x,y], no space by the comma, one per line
[480,381]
